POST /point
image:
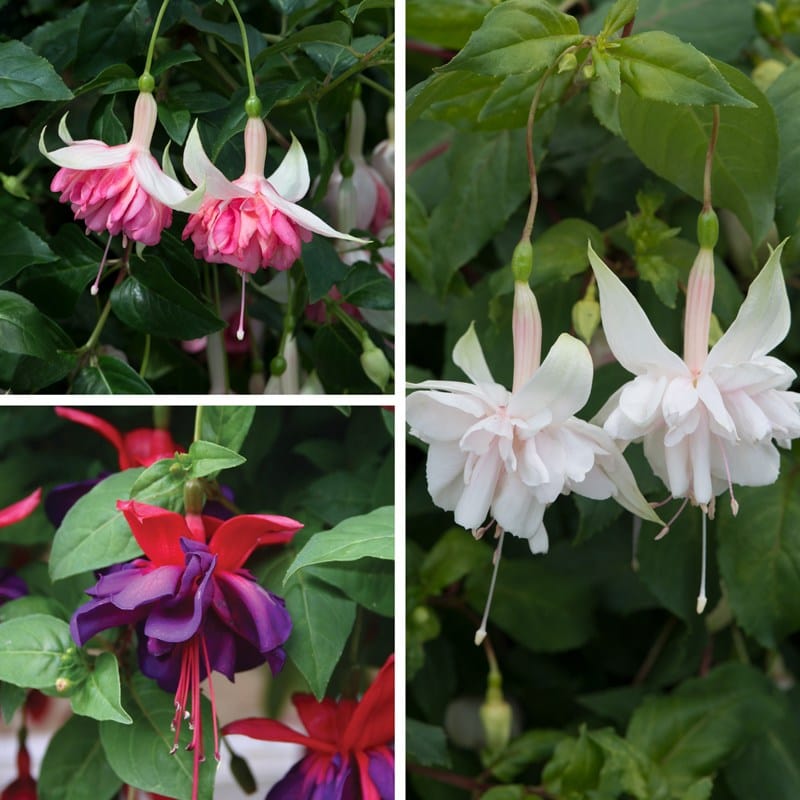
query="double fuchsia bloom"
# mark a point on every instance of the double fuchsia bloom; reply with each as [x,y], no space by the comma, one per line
[253,222]
[196,609]
[349,745]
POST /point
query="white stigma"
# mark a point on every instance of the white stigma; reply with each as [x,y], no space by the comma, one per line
[701,597]
[480,634]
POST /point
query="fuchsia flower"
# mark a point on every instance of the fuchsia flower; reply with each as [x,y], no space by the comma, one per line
[19,510]
[253,222]
[23,787]
[195,607]
[349,745]
[119,188]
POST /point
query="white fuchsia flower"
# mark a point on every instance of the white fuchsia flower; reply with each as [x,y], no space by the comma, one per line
[253,222]
[119,188]
[512,453]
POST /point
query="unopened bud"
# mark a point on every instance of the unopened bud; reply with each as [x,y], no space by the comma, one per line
[707,229]
[194,496]
[567,63]
[522,261]
[375,364]
[496,716]
[586,314]
[588,71]
[277,366]
[146,83]
[63,684]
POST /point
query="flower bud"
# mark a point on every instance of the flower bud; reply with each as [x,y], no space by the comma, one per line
[194,496]
[586,314]
[588,70]
[375,364]
[567,63]
[522,261]
[707,229]
[768,22]
[496,717]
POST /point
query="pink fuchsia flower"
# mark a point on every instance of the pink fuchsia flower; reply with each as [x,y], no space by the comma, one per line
[119,188]
[349,745]
[357,195]
[21,509]
[512,453]
[253,222]
[195,606]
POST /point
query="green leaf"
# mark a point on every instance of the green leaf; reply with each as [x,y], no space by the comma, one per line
[530,748]
[659,66]
[518,36]
[322,266]
[560,252]
[426,744]
[448,23]
[176,122]
[321,623]
[161,485]
[20,248]
[619,15]
[365,287]
[98,696]
[672,142]
[208,459]
[152,301]
[608,70]
[75,766]
[510,792]
[365,5]
[140,753]
[11,700]
[31,649]
[693,731]
[759,554]
[226,425]
[546,611]
[370,582]
[23,330]
[367,536]
[453,556]
[419,250]
[25,77]
[94,534]
[784,95]
[109,375]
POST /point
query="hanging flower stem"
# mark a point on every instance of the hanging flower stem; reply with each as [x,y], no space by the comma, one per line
[251,82]
[153,36]
[712,146]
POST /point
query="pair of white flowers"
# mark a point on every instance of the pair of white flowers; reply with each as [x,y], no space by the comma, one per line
[707,420]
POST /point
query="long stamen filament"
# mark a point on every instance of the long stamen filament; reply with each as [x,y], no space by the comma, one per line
[665,530]
[734,502]
[96,285]
[211,697]
[480,634]
[701,597]
[240,329]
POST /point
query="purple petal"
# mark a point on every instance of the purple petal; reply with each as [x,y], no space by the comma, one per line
[381,771]
[11,585]
[164,668]
[61,498]
[99,615]
[147,587]
[316,777]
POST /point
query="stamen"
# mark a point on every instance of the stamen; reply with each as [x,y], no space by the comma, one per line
[477,533]
[665,530]
[480,634]
[701,598]
[211,697]
[96,285]
[637,529]
[734,504]
[240,329]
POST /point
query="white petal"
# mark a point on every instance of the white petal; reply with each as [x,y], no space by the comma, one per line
[493,395]
[680,399]
[763,319]
[468,357]
[700,455]
[561,384]
[439,416]
[89,154]
[630,335]
[516,509]
[291,179]
[640,399]
[445,474]
[751,464]
[199,168]
[678,465]
[303,217]
[63,130]
[159,185]
[712,399]
[473,506]
[538,542]
[753,376]
[751,422]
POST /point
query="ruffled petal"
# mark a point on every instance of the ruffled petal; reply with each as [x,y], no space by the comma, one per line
[291,179]
[630,335]
[561,384]
[763,319]
[517,509]
[443,416]
[474,503]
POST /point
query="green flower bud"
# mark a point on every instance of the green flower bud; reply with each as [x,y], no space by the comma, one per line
[567,63]
[375,364]
[346,167]
[522,261]
[424,624]
[707,229]
[277,366]
[194,496]
[14,186]
[63,685]
[588,71]
[252,106]
[146,83]
[496,717]
[586,314]
[767,72]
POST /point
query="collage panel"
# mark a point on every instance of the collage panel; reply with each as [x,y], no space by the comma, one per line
[143,549]
[603,526]
[197,197]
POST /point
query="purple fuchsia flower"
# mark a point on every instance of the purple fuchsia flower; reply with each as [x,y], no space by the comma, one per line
[196,609]
[349,745]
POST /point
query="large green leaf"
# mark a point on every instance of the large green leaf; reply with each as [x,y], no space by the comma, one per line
[208,459]
[367,536]
[226,425]
[109,375]
[321,623]
[784,95]
[24,331]
[94,534]
[24,77]
[673,143]
[31,650]
[98,696]
[152,301]
[75,766]
[759,557]
[659,66]
[370,582]
[518,36]
[20,247]
[140,753]
[693,731]
[445,22]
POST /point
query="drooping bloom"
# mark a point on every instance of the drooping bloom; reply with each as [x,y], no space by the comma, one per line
[349,745]
[708,420]
[23,787]
[512,453]
[382,158]
[253,222]
[137,448]
[120,188]
[11,585]
[357,194]
[195,607]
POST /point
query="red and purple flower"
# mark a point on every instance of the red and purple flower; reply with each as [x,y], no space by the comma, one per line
[196,609]
[349,745]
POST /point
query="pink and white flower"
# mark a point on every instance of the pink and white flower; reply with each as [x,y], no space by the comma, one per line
[512,453]
[119,188]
